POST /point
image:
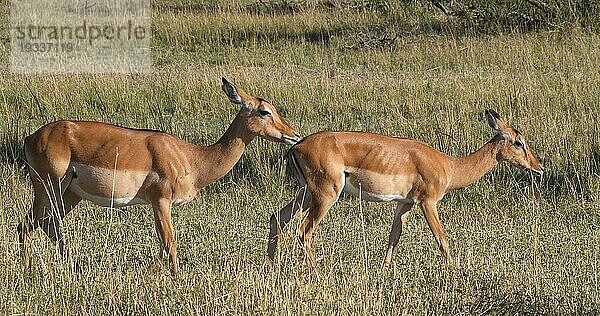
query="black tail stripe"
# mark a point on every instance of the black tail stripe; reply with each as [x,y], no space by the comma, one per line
[297,166]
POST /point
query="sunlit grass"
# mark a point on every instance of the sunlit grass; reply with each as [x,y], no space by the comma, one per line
[522,247]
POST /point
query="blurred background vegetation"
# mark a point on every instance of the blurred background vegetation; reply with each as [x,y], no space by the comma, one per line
[462,16]
[420,69]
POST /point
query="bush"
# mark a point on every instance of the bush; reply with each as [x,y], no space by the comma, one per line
[528,15]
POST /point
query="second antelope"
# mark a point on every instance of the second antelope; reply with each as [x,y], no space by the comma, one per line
[115,166]
[381,169]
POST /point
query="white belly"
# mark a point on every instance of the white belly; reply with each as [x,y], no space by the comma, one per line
[105,201]
[374,197]
[106,187]
[378,187]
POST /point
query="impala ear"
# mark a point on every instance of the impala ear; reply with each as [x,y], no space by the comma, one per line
[231,92]
[495,122]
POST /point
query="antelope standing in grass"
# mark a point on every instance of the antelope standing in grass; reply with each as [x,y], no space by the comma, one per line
[380,168]
[70,161]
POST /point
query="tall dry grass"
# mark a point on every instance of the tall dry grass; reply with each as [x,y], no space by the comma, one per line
[522,247]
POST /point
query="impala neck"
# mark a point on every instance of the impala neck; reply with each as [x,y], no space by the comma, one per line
[219,158]
[471,168]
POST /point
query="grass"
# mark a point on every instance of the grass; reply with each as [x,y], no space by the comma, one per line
[521,247]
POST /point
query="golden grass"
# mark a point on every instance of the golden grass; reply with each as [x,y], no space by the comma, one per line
[521,248]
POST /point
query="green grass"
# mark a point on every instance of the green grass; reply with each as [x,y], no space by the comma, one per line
[521,247]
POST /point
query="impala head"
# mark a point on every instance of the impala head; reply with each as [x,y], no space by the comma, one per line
[261,117]
[513,146]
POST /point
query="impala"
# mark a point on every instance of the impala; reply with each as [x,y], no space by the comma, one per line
[70,161]
[381,169]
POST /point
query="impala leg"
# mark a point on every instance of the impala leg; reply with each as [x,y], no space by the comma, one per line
[50,177]
[24,230]
[281,219]
[43,214]
[433,220]
[399,223]
[321,202]
[166,235]
[39,210]
[50,224]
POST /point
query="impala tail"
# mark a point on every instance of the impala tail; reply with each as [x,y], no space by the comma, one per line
[380,168]
[113,166]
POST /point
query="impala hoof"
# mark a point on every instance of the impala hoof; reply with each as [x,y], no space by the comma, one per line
[75,268]
[155,266]
[269,263]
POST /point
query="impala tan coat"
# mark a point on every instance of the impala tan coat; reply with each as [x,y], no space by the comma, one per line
[382,168]
[115,166]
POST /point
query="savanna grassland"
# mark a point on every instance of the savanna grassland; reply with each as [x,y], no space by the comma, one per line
[522,246]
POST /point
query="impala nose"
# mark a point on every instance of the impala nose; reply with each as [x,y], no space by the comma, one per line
[539,172]
[292,140]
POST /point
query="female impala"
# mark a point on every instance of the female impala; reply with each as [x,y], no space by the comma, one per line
[381,168]
[115,166]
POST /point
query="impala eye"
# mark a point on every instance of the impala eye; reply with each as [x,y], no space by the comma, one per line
[264,112]
[519,144]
